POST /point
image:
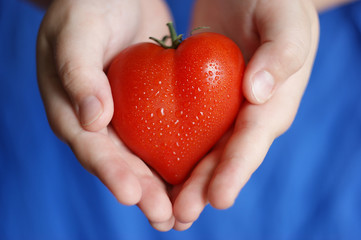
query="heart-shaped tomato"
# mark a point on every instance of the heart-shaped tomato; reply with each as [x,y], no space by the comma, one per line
[172,105]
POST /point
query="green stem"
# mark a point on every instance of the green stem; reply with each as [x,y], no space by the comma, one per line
[160,42]
[199,28]
[176,39]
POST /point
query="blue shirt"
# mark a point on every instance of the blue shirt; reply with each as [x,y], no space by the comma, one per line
[308,187]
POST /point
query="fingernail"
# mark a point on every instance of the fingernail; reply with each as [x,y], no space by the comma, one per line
[90,110]
[262,86]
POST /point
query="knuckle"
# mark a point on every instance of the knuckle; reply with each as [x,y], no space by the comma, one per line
[69,74]
[291,57]
[73,79]
[250,125]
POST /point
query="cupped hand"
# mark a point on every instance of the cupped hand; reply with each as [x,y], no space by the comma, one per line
[76,42]
[279,41]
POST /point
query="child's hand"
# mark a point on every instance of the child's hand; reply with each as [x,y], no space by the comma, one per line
[279,39]
[76,41]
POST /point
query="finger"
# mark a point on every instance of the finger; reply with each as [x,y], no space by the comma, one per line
[97,153]
[79,51]
[193,196]
[192,199]
[256,128]
[285,41]
[163,226]
[182,226]
[53,95]
[94,151]
[243,154]
[155,203]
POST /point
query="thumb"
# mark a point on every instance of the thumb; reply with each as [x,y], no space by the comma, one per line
[79,59]
[285,40]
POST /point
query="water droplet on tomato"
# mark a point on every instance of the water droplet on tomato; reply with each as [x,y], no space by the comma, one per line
[210,73]
[179,113]
[160,112]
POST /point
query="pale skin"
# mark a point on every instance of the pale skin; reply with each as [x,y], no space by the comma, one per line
[279,39]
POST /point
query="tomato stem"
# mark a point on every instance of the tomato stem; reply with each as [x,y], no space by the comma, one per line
[199,28]
[176,39]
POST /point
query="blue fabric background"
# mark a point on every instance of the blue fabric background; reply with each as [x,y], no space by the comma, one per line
[309,186]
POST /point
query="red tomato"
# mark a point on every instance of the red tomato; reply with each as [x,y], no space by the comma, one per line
[172,105]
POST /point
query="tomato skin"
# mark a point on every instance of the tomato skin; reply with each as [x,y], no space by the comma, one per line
[172,105]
